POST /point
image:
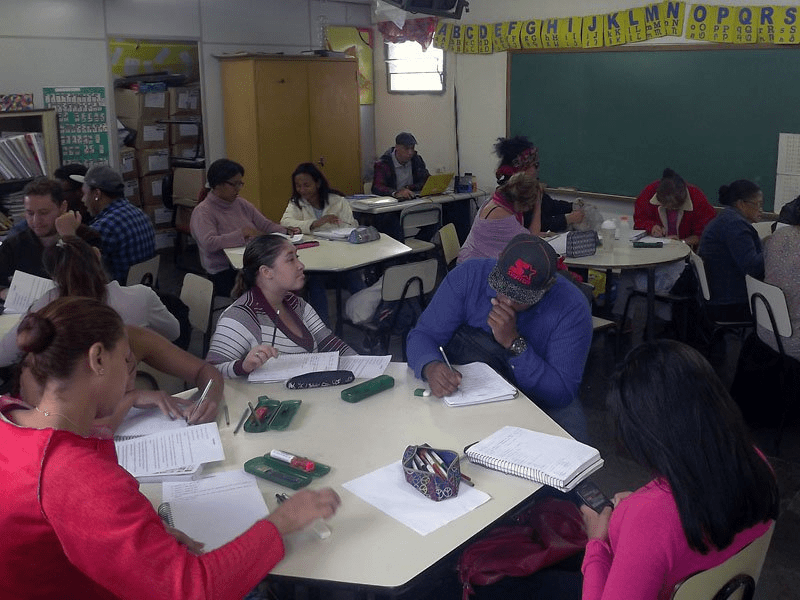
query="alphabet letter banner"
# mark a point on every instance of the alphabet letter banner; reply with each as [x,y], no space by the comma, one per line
[704,22]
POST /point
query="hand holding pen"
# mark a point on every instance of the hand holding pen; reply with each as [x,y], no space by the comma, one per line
[303,508]
[199,403]
[441,376]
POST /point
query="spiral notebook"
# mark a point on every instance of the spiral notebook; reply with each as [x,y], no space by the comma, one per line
[551,460]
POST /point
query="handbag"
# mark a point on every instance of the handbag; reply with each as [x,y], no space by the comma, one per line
[548,532]
[581,243]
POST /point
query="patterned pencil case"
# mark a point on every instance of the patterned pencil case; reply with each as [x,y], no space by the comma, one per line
[318,379]
[581,243]
[432,472]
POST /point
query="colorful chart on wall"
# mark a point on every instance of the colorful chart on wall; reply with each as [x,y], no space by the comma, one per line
[142,57]
[356,41]
[82,123]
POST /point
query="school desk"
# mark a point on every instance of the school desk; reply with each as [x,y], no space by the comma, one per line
[369,551]
[625,256]
[337,257]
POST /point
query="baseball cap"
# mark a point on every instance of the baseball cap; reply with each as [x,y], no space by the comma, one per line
[104,178]
[526,269]
[405,139]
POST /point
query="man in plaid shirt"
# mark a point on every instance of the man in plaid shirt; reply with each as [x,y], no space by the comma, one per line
[127,234]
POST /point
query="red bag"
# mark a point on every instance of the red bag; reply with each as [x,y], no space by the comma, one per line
[545,534]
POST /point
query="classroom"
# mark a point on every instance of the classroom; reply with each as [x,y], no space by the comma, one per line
[65,44]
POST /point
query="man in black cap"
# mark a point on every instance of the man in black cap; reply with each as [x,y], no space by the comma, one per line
[400,172]
[517,315]
[127,234]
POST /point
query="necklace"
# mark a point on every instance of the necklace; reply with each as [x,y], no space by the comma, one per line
[47,413]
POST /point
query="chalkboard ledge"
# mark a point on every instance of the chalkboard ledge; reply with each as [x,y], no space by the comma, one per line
[561,191]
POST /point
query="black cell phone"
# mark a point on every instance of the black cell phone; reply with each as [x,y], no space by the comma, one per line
[592,496]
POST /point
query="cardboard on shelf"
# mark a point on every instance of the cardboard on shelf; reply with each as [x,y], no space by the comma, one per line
[135,106]
[153,161]
[184,101]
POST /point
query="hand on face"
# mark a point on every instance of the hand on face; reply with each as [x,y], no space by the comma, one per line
[503,320]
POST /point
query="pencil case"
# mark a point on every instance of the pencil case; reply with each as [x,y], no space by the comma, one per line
[436,483]
[272,414]
[368,388]
[283,473]
[318,379]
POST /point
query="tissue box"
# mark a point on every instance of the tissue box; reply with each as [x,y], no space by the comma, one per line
[436,486]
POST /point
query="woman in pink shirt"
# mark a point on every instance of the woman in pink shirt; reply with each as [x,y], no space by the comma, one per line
[712,492]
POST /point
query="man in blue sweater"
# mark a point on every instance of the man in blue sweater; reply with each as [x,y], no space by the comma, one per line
[517,315]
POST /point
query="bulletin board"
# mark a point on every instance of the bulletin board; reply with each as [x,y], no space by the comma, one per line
[610,121]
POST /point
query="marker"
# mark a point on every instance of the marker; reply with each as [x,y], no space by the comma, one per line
[449,366]
[297,462]
[202,399]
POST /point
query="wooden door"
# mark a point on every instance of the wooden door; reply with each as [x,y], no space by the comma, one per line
[283,131]
[335,123]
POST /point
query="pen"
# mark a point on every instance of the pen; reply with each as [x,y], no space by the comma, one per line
[202,399]
[297,462]
[227,415]
[318,526]
[241,421]
[449,366]
[253,412]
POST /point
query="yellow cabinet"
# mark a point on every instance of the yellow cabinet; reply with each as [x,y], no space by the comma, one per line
[282,111]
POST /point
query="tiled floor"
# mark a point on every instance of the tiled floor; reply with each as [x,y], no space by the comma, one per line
[780,578]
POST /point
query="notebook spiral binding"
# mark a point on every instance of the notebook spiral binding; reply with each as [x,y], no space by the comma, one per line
[165,513]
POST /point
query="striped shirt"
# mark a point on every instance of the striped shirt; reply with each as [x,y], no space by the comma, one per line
[251,321]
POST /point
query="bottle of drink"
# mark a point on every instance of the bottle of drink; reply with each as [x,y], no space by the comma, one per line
[625,230]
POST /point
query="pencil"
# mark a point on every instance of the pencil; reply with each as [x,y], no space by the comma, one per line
[241,421]
[449,366]
[227,416]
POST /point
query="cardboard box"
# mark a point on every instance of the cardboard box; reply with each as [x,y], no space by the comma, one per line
[150,190]
[149,134]
[127,163]
[160,217]
[187,183]
[185,133]
[184,101]
[132,192]
[187,151]
[153,161]
[165,239]
[141,107]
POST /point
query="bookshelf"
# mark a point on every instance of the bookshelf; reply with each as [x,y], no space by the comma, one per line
[30,121]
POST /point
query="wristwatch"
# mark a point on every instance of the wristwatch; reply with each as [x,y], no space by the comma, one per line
[518,346]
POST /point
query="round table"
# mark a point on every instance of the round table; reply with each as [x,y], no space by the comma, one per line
[625,256]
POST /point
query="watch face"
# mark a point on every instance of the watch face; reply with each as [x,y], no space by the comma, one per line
[518,346]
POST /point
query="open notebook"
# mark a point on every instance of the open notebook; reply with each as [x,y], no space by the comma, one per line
[479,383]
[551,460]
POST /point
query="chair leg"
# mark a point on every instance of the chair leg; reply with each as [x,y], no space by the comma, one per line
[621,325]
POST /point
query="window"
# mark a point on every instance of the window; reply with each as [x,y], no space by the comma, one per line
[410,69]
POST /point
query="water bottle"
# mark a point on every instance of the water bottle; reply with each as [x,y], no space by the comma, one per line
[625,230]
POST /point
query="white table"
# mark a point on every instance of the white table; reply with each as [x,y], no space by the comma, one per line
[337,257]
[367,547]
[625,256]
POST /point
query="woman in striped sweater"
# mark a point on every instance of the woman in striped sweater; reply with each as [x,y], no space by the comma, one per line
[269,318]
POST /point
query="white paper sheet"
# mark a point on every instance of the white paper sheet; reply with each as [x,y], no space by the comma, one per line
[145,421]
[365,366]
[286,366]
[25,289]
[215,509]
[170,450]
[387,490]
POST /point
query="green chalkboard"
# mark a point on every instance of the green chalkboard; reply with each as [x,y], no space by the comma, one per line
[610,121]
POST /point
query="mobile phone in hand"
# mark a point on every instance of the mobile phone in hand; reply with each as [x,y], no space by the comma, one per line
[591,496]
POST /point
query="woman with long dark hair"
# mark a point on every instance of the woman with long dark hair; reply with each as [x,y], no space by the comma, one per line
[712,493]
[269,318]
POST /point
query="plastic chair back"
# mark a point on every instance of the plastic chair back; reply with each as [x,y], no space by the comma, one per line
[450,243]
[396,278]
[198,294]
[768,304]
[735,578]
[700,270]
[145,272]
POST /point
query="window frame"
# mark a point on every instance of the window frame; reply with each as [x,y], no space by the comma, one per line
[388,60]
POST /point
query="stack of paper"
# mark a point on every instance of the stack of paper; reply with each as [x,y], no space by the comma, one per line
[287,366]
[480,383]
[25,289]
[176,453]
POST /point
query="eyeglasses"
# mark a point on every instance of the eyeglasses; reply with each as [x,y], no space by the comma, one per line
[236,184]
